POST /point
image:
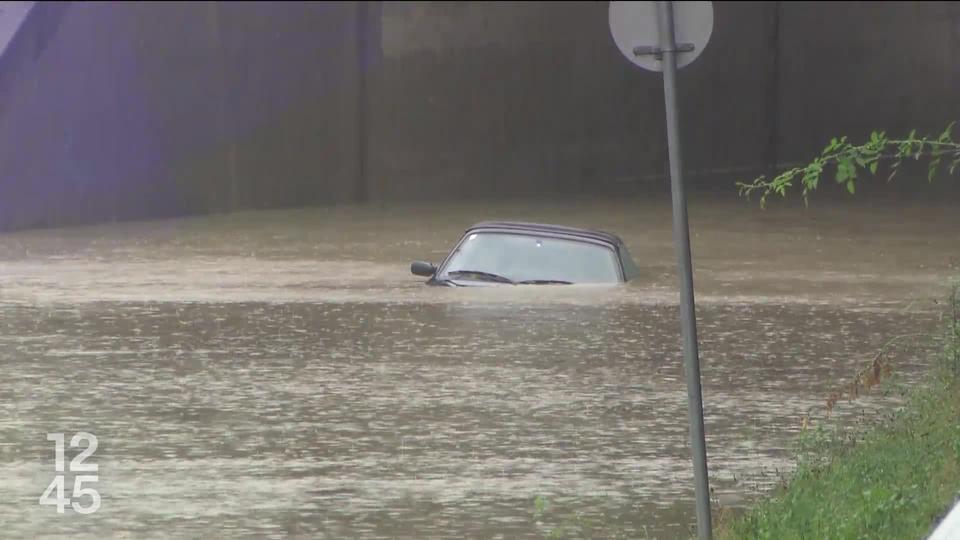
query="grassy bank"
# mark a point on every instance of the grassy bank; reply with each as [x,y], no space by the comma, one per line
[895,480]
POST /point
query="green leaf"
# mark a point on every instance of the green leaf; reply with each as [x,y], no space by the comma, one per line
[811,177]
[873,164]
[845,170]
[932,169]
[903,149]
[850,186]
[947,133]
[830,147]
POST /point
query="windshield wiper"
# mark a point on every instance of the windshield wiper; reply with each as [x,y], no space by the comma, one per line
[485,275]
[544,282]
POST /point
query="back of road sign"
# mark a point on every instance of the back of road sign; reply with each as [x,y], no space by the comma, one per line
[634,24]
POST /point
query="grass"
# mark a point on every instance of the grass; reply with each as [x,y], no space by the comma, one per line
[895,480]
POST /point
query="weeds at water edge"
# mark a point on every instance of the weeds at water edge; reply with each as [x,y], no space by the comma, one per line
[894,480]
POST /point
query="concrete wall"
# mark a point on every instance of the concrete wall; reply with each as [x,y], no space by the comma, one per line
[527,97]
[132,110]
[850,67]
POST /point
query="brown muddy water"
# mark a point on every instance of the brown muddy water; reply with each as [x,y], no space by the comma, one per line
[282,374]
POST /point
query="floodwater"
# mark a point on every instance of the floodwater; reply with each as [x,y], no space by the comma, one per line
[282,374]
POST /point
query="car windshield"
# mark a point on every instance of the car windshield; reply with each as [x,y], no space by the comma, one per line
[534,258]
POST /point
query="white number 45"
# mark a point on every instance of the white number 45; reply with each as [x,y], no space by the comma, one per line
[76,465]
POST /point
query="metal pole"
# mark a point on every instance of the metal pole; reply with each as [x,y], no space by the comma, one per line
[361,192]
[681,240]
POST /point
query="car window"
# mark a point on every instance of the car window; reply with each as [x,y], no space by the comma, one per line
[525,257]
[630,268]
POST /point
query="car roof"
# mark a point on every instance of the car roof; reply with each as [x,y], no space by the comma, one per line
[548,228]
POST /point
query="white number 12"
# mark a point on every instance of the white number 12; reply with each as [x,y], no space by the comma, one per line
[76,465]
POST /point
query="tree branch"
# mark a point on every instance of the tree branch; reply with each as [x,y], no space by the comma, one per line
[849,160]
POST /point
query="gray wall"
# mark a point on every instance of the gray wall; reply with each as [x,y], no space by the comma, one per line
[527,97]
[133,110]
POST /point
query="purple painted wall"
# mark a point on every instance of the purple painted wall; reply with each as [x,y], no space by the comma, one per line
[129,110]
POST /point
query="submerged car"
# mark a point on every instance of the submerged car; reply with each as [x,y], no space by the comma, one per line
[517,253]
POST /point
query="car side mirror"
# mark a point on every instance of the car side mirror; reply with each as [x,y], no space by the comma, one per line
[420,268]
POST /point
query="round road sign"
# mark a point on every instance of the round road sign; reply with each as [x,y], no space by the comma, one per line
[634,24]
